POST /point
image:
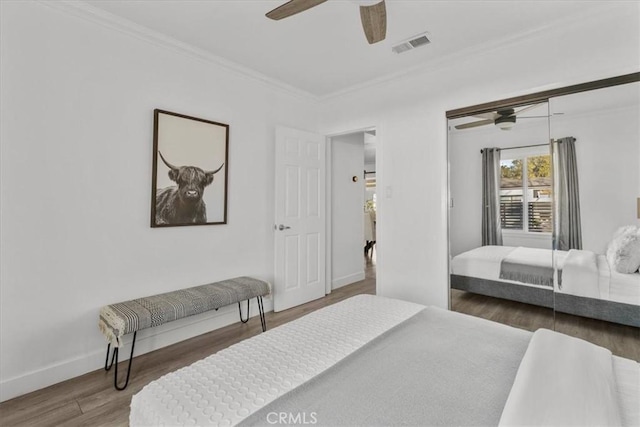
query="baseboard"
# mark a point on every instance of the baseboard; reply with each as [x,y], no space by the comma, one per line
[148,340]
[347,280]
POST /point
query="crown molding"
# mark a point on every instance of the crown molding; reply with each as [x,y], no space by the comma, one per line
[98,16]
[474,52]
[95,15]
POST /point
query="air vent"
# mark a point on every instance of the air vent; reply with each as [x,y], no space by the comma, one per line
[414,42]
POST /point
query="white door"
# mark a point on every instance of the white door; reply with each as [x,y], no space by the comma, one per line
[300,218]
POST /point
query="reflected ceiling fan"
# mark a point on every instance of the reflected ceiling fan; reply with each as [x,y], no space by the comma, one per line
[374,17]
[504,118]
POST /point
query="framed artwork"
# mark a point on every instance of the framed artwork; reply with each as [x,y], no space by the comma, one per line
[190,164]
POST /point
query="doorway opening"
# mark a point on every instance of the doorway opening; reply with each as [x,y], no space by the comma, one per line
[352,207]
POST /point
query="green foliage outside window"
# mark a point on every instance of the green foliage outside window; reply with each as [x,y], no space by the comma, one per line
[511,169]
[526,205]
[538,166]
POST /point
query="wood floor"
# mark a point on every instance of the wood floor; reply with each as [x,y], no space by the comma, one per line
[620,339]
[90,400]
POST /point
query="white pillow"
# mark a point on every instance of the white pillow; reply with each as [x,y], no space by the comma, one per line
[563,381]
[625,230]
[623,253]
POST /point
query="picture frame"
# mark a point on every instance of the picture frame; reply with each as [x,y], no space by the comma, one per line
[190,170]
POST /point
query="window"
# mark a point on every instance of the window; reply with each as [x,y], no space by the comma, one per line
[525,204]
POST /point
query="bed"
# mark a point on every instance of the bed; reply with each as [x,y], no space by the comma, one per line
[376,361]
[586,285]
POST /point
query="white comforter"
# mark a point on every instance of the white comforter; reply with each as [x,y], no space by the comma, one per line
[580,274]
[565,381]
[583,272]
[616,286]
[586,274]
[483,262]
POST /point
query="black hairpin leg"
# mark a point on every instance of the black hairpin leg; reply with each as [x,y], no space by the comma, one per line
[107,365]
[240,310]
[263,321]
[114,361]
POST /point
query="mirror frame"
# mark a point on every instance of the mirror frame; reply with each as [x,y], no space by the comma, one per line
[543,96]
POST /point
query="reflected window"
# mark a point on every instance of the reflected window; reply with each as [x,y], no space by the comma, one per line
[525,204]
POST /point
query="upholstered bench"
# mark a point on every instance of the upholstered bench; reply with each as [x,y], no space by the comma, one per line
[126,317]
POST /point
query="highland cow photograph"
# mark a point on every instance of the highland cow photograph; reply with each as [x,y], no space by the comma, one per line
[190,163]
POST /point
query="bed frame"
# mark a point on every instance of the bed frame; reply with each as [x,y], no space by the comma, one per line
[610,311]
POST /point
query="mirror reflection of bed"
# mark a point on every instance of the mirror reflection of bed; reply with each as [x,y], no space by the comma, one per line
[513,232]
[564,176]
[603,281]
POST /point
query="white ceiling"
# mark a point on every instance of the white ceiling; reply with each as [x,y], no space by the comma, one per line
[323,51]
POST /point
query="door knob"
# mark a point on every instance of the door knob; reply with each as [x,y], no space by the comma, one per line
[283,227]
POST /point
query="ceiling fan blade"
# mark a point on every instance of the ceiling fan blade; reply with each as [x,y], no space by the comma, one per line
[475,124]
[291,8]
[529,107]
[489,115]
[374,22]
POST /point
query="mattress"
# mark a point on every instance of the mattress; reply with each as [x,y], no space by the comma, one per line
[485,262]
[399,362]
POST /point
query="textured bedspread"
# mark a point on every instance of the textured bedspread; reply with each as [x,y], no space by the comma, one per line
[437,368]
[364,361]
[226,387]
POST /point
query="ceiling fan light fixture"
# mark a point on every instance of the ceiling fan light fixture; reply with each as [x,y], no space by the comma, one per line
[505,122]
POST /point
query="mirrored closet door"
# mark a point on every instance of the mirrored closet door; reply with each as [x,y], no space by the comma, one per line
[544,211]
[596,147]
[501,215]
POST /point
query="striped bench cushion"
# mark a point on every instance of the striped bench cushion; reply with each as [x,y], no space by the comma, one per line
[126,317]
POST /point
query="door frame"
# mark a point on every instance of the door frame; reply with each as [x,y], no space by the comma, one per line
[329,206]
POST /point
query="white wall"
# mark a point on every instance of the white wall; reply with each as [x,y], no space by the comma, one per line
[369,192]
[607,146]
[409,115]
[347,201]
[76,150]
[76,116]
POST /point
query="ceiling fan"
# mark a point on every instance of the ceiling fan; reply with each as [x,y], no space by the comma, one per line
[504,118]
[374,17]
